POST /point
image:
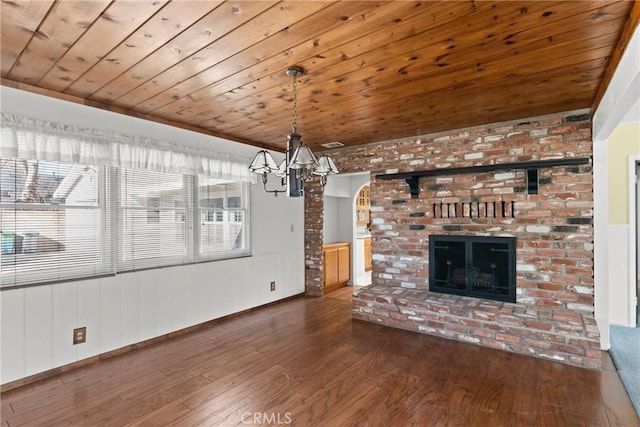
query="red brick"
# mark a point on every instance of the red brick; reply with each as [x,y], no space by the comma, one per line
[558,256]
[458,328]
[494,344]
[551,286]
[550,337]
[397,316]
[569,349]
[594,354]
[471,323]
[566,316]
[481,333]
[509,338]
[536,324]
[537,343]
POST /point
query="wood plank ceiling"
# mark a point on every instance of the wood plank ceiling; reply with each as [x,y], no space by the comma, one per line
[375,70]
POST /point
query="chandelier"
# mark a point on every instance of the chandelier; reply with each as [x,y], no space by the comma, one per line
[299,164]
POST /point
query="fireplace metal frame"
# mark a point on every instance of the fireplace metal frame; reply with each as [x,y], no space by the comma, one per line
[490,290]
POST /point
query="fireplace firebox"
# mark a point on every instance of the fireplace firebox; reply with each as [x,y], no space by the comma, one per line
[477,266]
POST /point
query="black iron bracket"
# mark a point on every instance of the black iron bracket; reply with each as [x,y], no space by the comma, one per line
[413,178]
[414,186]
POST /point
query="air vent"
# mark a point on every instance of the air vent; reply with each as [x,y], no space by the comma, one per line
[334,144]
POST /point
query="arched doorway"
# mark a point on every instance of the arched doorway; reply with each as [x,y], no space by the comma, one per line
[362,236]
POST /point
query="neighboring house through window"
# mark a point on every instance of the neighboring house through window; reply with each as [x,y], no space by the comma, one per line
[53,222]
[59,220]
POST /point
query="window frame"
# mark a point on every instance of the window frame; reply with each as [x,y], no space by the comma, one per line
[225,211]
[82,271]
[110,191]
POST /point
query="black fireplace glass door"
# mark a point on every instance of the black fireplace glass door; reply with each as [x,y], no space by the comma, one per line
[449,269]
[478,266]
[489,268]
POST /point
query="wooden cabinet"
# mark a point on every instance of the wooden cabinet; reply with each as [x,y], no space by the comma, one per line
[363,206]
[337,265]
[367,254]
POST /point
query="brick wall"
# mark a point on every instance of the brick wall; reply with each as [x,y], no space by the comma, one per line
[313,238]
[553,315]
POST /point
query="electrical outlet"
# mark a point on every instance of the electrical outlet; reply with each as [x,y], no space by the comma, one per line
[79,335]
[273,286]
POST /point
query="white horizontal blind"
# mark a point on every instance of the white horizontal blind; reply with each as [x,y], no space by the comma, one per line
[222,218]
[67,221]
[154,219]
[55,222]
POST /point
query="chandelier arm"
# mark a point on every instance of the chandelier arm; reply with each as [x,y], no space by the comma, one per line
[265,178]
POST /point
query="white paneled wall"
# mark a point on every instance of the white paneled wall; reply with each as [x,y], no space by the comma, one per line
[36,323]
[619,308]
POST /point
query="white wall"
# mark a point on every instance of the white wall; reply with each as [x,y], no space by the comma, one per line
[37,322]
[331,222]
[337,210]
[346,214]
[613,251]
[338,186]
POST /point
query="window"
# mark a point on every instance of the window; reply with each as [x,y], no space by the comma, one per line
[152,217]
[53,222]
[215,213]
[235,203]
[222,213]
[65,221]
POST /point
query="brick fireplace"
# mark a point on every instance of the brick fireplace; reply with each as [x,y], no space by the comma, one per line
[552,317]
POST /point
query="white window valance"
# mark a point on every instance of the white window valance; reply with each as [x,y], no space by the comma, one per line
[26,138]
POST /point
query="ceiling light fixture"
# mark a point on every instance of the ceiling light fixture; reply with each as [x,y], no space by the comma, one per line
[299,164]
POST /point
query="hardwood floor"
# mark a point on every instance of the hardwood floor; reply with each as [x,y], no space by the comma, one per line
[306,362]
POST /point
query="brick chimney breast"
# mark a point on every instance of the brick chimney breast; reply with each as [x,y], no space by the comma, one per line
[553,316]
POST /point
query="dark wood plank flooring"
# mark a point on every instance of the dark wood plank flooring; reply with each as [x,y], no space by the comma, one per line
[305,362]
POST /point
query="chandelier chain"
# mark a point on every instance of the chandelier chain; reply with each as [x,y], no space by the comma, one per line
[295,104]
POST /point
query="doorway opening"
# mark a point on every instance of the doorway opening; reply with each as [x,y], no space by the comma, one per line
[362,236]
[341,224]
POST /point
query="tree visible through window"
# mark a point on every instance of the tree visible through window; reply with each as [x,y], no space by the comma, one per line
[52,222]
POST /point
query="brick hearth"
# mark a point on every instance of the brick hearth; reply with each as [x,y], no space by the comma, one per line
[553,314]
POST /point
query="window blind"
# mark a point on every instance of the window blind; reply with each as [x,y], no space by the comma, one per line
[67,221]
[154,218]
[222,217]
[54,221]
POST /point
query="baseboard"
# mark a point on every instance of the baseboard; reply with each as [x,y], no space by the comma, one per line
[40,376]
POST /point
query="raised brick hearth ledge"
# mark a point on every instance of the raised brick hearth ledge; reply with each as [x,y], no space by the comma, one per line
[571,338]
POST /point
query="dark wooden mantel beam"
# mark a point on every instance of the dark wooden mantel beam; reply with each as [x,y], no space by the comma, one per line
[413,178]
